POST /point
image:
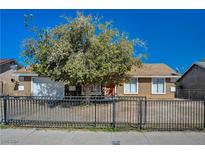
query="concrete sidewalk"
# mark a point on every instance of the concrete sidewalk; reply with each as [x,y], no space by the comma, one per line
[58,137]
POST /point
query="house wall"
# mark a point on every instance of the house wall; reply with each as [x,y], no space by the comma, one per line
[145,89]
[7,85]
[11,88]
[27,87]
[194,79]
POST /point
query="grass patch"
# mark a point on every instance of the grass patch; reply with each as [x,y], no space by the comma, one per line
[92,129]
[4,126]
[102,129]
[86,129]
[203,130]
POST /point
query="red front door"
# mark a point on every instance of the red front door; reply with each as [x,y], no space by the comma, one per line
[109,90]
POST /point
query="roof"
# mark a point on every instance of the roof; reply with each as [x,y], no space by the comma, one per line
[200,64]
[146,70]
[4,61]
[25,72]
[151,70]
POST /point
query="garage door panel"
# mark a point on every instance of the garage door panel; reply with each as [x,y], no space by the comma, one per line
[42,86]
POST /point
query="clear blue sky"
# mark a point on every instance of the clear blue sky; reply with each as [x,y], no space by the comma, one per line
[174,37]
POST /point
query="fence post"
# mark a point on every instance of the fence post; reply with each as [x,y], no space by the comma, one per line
[5,99]
[113,114]
[204,112]
[189,94]
[140,114]
[95,114]
[145,121]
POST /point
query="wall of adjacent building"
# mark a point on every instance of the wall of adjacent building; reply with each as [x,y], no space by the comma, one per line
[194,79]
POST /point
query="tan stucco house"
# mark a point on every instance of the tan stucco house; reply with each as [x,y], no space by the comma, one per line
[155,81]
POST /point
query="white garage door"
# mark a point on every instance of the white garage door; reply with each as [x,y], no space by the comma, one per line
[43,86]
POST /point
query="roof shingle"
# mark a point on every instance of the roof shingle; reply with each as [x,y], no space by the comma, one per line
[24,71]
[146,70]
[153,70]
[4,61]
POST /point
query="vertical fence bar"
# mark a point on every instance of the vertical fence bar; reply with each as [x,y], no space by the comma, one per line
[95,113]
[113,114]
[140,114]
[1,103]
[5,110]
[145,120]
[156,114]
[204,112]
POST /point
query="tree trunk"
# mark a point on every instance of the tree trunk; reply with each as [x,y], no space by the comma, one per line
[87,92]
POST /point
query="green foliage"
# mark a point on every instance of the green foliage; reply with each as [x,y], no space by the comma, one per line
[82,51]
[3,126]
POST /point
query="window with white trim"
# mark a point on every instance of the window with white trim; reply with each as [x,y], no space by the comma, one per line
[158,86]
[131,87]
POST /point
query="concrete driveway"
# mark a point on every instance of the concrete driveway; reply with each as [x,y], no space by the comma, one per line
[59,137]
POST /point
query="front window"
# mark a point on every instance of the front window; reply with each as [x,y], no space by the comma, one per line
[158,86]
[21,78]
[131,87]
[95,89]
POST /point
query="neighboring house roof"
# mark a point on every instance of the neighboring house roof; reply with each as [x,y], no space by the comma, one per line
[153,70]
[4,61]
[8,65]
[200,64]
[25,72]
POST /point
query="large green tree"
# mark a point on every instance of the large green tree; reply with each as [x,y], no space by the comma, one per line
[84,51]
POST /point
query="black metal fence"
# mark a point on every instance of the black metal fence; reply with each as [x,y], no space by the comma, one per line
[175,114]
[101,112]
